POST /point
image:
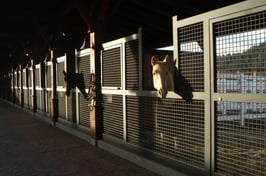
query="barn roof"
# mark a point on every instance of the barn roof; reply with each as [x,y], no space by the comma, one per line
[30,28]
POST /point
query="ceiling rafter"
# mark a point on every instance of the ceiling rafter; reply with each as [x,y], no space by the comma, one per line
[35,24]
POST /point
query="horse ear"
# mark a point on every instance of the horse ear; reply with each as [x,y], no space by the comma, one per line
[64,72]
[166,59]
[153,60]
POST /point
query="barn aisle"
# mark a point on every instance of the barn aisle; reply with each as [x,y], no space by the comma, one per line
[30,147]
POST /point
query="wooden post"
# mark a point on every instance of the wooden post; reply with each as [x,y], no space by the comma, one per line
[13,86]
[54,99]
[21,87]
[95,104]
[96,27]
[9,86]
[33,95]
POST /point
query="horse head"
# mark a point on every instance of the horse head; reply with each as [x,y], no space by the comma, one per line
[162,76]
[68,82]
[73,80]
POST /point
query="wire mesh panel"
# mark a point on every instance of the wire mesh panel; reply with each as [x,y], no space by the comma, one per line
[48,85]
[26,98]
[16,86]
[30,86]
[241,139]
[48,97]
[37,77]
[24,77]
[84,113]
[40,100]
[84,67]
[62,105]
[48,76]
[11,92]
[29,77]
[132,64]
[30,98]
[171,127]
[191,56]
[113,115]
[15,79]
[239,68]
[71,106]
[111,67]
[62,99]
[241,54]
[25,88]
[60,75]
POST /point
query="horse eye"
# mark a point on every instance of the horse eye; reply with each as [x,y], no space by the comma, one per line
[155,72]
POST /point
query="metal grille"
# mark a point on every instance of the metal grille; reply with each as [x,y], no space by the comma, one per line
[71,107]
[48,76]
[111,67]
[49,99]
[15,79]
[84,113]
[241,138]
[241,54]
[240,62]
[38,103]
[171,127]
[25,89]
[30,98]
[132,65]
[191,56]
[113,115]
[40,100]
[37,77]
[26,97]
[62,105]
[84,67]
[25,82]
[60,75]
[29,77]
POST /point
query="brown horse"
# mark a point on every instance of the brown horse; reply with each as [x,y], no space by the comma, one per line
[73,80]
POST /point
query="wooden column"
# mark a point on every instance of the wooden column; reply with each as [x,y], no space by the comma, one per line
[21,87]
[97,31]
[9,86]
[95,15]
[94,104]
[54,99]
[13,86]
[33,95]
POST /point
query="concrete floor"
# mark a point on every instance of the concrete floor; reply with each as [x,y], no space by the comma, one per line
[30,147]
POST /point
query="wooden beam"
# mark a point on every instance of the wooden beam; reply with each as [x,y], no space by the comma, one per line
[96,38]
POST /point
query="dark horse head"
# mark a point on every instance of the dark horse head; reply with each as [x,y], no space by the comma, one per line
[73,80]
